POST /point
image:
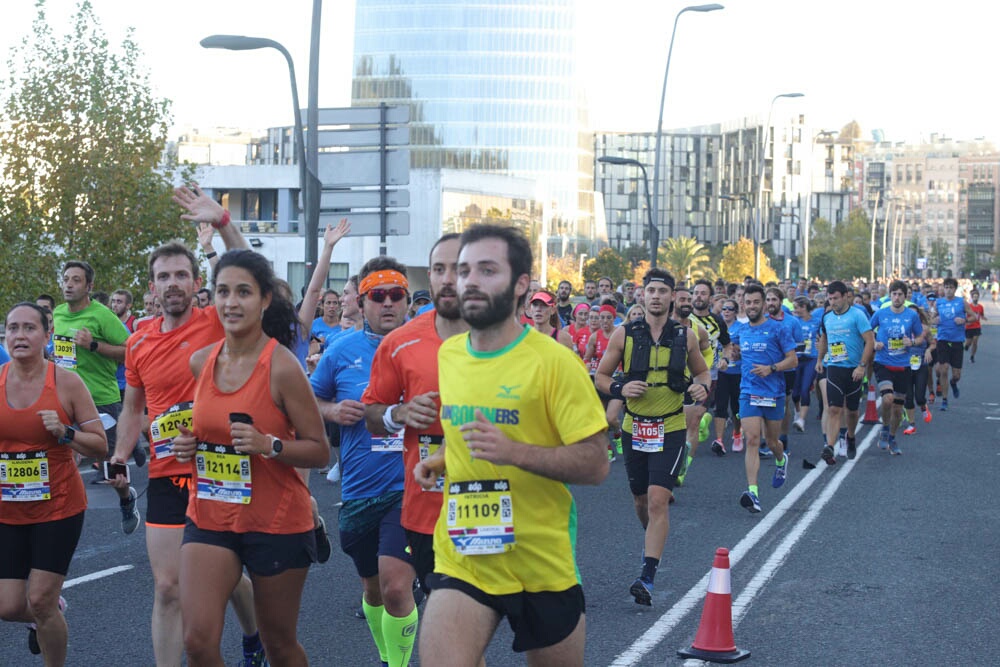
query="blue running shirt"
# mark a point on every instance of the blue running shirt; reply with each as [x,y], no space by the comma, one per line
[948,310]
[766,343]
[891,328]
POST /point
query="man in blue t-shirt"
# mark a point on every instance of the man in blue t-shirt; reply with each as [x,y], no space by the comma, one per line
[952,312]
[896,329]
[766,350]
[805,373]
[845,348]
[774,305]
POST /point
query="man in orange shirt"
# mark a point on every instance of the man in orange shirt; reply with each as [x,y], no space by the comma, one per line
[404,378]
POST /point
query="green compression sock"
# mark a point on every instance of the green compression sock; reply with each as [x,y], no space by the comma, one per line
[374,616]
[399,635]
[753,489]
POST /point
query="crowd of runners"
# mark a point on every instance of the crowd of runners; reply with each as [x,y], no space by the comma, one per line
[453,420]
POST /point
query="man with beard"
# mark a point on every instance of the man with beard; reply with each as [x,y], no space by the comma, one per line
[521,422]
[766,350]
[774,300]
[953,313]
[693,410]
[845,346]
[653,433]
[563,305]
[403,392]
[372,467]
[718,335]
[590,292]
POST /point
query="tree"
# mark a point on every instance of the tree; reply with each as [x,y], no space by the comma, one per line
[684,257]
[737,262]
[82,139]
[822,252]
[939,256]
[564,268]
[634,254]
[607,263]
[842,251]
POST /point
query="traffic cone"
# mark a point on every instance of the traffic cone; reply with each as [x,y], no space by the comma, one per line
[714,641]
[871,412]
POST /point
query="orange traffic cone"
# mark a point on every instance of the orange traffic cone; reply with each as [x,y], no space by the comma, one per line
[714,641]
[871,412]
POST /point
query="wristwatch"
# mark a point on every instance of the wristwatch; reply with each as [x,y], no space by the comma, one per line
[774,369]
[276,447]
[68,436]
[93,346]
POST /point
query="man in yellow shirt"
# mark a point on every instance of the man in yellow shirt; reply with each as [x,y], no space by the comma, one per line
[521,421]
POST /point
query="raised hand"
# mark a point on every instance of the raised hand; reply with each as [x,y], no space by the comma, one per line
[199,206]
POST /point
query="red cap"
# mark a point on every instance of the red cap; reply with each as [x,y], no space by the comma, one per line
[544,297]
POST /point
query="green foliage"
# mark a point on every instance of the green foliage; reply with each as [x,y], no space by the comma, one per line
[939,256]
[607,263]
[684,257]
[564,268]
[842,251]
[737,262]
[82,139]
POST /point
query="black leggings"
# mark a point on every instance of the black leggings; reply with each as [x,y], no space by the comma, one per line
[727,395]
[918,389]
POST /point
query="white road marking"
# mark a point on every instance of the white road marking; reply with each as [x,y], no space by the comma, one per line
[93,576]
[693,598]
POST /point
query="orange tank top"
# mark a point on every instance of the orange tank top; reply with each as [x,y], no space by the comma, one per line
[39,480]
[243,493]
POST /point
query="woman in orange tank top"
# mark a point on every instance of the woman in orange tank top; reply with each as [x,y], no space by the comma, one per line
[255,419]
[42,498]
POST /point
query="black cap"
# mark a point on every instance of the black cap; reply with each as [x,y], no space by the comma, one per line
[421,295]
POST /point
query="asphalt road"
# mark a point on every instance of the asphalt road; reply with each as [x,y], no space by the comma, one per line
[880,561]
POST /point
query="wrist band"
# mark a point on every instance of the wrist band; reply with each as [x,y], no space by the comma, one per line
[387,421]
[210,255]
[616,390]
[224,221]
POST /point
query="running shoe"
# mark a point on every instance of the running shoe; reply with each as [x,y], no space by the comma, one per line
[718,448]
[33,646]
[130,513]
[617,441]
[139,455]
[828,456]
[944,405]
[799,424]
[940,391]
[642,591]
[894,448]
[765,452]
[841,446]
[255,658]
[706,421]
[334,475]
[682,473]
[972,358]
[418,593]
[954,390]
[737,442]
[927,416]
[930,398]
[852,448]
[611,454]
[780,472]
[323,548]
[910,430]
[749,500]
[883,438]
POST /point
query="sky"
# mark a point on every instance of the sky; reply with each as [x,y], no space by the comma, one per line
[890,65]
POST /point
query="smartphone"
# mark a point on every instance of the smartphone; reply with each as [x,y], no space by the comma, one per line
[240,418]
[112,470]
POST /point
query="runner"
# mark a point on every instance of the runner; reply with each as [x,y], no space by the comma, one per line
[372,467]
[954,313]
[542,307]
[805,373]
[159,382]
[693,411]
[563,304]
[579,323]
[766,350]
[774,303]
[254,421]
[921,361]
[718,335]
[896,329]
[47,416]
[727,389]
[657,355]
[846,334]
[974,327]
[521,422]
[403,392]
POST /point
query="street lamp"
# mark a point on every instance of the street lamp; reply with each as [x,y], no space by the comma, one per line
[760,183]
[663,96]
[308,180]
[654,237]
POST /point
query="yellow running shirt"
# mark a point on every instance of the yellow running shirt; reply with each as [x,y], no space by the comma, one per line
[502,529]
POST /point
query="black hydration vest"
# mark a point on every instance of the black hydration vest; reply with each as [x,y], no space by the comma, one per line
[674,337]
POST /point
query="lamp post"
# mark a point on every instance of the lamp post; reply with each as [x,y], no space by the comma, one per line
[307,156]
[654,237]
[760,181]
[663,96]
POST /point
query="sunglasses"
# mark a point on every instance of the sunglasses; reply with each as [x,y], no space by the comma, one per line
[379,294]
[728,308]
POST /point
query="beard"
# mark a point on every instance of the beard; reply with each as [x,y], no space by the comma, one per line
[499,308]
[451,311]
[683,311]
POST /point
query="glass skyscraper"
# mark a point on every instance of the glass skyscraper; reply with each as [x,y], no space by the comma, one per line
[492,86]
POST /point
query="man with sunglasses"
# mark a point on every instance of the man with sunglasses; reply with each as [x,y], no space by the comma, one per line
[371,532]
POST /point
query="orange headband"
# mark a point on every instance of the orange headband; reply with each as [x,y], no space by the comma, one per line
[387,277]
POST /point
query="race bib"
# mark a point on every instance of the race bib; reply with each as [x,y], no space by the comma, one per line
[166,427]
[429,444]
[838,352]
[647,435]
[915,362]
[390,443]
[896,345]
[223,474]
[480,517]
[808,346]
[763,401]
[24,477]
[64,349]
